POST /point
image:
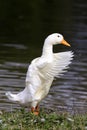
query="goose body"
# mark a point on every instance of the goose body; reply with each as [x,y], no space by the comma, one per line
[41,73]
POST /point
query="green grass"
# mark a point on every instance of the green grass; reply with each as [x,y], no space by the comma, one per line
[23,120]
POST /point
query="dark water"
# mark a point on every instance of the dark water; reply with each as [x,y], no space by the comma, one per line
[21,40]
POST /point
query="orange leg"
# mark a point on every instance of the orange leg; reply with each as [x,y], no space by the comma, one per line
[35,110]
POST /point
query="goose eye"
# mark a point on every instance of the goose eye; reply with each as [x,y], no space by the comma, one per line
[58,36]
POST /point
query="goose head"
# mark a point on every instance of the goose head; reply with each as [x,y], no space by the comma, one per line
[55,39]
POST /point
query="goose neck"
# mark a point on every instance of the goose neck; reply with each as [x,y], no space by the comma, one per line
[47,50]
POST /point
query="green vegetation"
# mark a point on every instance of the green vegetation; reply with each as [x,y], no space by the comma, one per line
[23,120]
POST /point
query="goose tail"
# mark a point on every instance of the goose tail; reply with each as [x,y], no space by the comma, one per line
[11,97]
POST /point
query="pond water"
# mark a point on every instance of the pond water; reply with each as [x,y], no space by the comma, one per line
[69,92]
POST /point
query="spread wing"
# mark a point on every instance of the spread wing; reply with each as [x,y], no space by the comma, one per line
[57,66]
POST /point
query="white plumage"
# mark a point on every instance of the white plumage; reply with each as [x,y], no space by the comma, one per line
[41,73]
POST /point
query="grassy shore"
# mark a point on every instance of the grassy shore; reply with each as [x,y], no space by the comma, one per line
[23,120]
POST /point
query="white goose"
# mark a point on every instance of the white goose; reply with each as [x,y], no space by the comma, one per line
[41,73]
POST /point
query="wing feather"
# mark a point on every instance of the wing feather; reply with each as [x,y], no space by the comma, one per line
[57,66]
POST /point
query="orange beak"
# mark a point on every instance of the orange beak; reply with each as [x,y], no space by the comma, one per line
[65,43]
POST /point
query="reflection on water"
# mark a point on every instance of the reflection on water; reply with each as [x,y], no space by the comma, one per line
[67,93]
